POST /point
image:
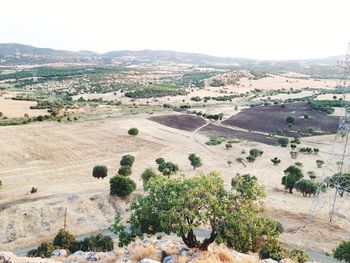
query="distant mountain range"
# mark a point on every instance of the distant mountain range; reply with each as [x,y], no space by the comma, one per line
[13,53]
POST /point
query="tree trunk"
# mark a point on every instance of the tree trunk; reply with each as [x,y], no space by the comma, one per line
[290,190]
[192,242]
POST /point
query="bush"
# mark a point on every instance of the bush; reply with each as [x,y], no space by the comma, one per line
[276,161]
[299,256]
[255,152]
[283,141]
[274,250]
[133,131]
[63,239]
[121,186]
[319,163]
[147,175]
[99,171]
[292,175]
[43,251]
[100,243]
[342,252]
[127,160]
[306,187]
[125,170]
[290,120]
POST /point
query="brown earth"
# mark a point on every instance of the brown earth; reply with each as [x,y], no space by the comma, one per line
[270,119]
[184,122]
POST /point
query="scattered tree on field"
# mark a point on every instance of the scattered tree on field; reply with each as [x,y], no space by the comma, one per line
[276,161]
[195,161]
[292,175]
[166,168]
[133,131]
[306,187]
[127,160]
[319,163]
[99,171]
[283,141]
[121,186]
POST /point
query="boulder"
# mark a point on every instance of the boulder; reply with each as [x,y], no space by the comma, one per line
[59,253]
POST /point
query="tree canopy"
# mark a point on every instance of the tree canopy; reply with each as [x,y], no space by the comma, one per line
[180,206]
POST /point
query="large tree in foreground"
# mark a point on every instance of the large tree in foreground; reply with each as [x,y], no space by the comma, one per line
[180,206]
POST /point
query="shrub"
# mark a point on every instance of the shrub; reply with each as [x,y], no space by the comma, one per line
[255,152]
[293,155]
[311,130]
[283,141]
[312,175]
[290,120]
[299,164]
[160,160]
[99,171]
[228,145]
[133,131]
[127,160]
[306,187]
[296,140]
[319,163]
[274,250]
[63,239]
[100,243]
[121,186]
[299,256]
[342,251]
[276,161]
[147,175]
[125,170]
[168,168]
[43,251]
[306,116]
[40,118]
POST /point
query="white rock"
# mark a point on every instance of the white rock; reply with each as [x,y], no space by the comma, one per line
[92,256]
[148,260]
[269,260]
[59,253]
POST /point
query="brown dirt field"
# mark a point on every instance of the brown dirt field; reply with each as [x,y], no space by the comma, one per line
[271,118]
[184,122]
[213,129]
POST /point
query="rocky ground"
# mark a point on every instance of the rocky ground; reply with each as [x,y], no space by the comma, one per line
[146,251]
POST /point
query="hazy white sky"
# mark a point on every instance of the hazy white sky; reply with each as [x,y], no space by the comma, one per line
[270,29]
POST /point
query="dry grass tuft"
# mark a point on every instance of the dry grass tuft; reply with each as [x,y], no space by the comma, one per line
[140,252]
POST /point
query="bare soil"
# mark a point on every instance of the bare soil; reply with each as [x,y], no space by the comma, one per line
[184,122]
[270,119]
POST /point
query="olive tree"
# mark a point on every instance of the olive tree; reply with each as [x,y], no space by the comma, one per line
[180,206]
[121,186]
[292,175]
[195,160]
[127,160]
[99,171]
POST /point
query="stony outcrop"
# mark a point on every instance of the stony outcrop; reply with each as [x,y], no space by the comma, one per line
[146,251]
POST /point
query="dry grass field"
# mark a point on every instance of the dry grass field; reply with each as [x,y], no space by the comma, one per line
[58,158]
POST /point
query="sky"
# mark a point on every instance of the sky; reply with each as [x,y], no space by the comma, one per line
[261,29]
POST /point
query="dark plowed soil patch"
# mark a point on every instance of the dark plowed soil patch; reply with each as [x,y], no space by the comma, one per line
[270,119]
[213,129]
[184,122]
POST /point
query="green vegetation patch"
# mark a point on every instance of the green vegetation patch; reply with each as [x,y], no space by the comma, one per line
[156,90]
